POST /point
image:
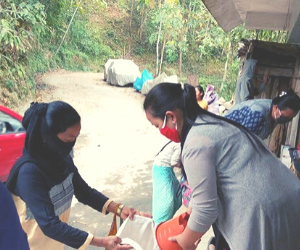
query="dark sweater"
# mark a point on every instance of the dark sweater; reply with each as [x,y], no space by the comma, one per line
[46,200]
[12,235]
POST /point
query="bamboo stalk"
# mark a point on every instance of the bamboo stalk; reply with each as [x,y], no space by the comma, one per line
[162,56]
[157,48]
[67,28]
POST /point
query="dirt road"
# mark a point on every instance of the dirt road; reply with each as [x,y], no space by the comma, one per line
[116,147]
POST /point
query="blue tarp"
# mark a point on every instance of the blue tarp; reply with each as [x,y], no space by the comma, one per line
[138,83]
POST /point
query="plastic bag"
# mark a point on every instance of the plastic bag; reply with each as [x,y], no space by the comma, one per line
[140,230]
[138,83]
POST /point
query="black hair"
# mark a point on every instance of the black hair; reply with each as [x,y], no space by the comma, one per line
[169,97]
[289,100]
[60,116]
[199,87]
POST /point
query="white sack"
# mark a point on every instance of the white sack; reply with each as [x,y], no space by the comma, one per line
[122,72]
[141,230]
[149,84]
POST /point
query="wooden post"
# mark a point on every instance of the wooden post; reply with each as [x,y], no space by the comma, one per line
[293,129]
[298,136]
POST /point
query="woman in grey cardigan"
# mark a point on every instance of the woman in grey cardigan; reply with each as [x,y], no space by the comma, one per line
[237,183]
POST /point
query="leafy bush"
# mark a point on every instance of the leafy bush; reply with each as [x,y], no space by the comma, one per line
[30,43]
[21,24]
[33,39]
[171,53]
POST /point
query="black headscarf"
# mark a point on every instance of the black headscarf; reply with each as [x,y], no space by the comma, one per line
[42,147]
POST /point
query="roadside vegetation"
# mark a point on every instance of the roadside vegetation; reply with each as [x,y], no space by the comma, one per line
[171,36]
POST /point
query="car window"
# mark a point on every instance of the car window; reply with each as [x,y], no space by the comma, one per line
[8,124]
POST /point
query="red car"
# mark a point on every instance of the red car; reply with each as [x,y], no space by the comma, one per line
[12,137]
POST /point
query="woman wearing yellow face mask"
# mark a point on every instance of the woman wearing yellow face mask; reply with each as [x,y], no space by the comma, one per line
[261,116]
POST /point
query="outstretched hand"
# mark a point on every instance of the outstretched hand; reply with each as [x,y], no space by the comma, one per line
[110,243]
[115,243]
[130,212]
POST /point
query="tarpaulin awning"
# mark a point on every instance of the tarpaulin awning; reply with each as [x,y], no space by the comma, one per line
[258,14]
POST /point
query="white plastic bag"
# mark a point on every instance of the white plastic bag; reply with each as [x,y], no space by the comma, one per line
[140,230]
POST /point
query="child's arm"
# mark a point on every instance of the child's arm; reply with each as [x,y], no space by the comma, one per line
[164,197]
[176,156]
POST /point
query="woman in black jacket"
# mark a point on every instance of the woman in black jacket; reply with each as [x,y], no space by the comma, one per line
[45,178]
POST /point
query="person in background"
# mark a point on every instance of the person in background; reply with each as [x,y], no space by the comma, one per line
[12,235]
[246,87]
[261,116]
[199,95]
[44,180]
[237,183]
[212,99]
[295,157]
[166,198]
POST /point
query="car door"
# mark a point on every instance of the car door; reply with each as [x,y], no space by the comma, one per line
[12,136]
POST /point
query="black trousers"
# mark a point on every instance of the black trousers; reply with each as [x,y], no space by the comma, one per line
[219,241]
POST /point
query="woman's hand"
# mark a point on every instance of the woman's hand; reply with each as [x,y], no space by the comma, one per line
[130,212]
[180,242]
[114,243]
[126,211]
[110,242]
